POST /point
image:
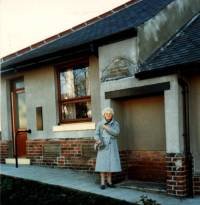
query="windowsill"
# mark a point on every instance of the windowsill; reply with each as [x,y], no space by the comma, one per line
[74,127]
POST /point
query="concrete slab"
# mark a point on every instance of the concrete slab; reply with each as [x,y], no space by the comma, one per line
[20,161]
[143,186]
[86,182]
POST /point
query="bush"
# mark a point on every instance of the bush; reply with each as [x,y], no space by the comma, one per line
[146,201]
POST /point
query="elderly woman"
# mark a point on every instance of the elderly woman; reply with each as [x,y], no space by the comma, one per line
[108,160]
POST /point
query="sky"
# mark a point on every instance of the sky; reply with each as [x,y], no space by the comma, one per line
[25,22]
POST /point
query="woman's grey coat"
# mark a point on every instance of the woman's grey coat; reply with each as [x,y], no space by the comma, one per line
[108,159]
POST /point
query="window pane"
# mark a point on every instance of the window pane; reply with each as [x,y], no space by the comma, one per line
[76,111]
[39,118]
[19,84]
[21,110]
[74,83]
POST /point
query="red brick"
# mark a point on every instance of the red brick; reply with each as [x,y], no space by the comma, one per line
[3,150]
[131,2]
[180,178]
[9,56]
[82,25]
[93,20]
[23,50]
[52,38]
[38,44]
[106,14]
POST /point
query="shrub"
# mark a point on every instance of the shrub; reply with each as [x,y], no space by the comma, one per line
[147,201]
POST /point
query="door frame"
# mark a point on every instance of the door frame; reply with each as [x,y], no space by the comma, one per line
[13,94]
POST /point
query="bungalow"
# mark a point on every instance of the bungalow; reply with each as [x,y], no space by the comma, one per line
[142,59]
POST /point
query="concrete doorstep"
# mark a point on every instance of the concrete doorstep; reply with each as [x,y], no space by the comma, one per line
[86,182]
[20,161]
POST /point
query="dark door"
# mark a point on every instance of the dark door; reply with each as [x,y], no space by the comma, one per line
[19,120]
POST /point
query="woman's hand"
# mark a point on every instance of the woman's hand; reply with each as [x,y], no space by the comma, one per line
[105,127]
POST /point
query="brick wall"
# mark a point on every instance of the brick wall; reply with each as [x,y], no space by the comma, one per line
[78,154]
[196,184]
[177,175]
[120,176]
[3,150]
[74,153]
[147,165]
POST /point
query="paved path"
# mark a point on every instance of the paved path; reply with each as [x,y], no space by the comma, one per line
[86,182]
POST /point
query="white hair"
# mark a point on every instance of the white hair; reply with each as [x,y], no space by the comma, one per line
[107,110]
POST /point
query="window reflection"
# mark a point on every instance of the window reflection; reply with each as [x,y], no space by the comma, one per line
[76,111]
[19,84]
[74,83]
[21,110]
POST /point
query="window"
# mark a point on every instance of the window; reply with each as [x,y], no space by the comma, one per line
[74,93]
[39,118]
[18,103]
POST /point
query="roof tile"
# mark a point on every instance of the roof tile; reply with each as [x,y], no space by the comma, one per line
[183,48]
[131,16]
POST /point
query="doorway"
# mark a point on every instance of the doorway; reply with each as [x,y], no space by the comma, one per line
[19,116]
[142,135]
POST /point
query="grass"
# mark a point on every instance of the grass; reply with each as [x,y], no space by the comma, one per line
[20,191]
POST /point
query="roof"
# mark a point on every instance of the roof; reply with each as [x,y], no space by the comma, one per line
[129,17]
[182,49]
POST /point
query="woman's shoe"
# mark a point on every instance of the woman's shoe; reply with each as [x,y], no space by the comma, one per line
[102,186]
[111,185]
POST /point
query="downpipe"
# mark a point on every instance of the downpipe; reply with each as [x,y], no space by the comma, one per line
[186,135]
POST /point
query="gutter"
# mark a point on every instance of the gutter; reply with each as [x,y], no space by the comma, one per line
[87,47]
[47,59]
[168,70]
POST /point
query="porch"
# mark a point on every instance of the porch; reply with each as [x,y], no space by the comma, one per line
[87,182]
